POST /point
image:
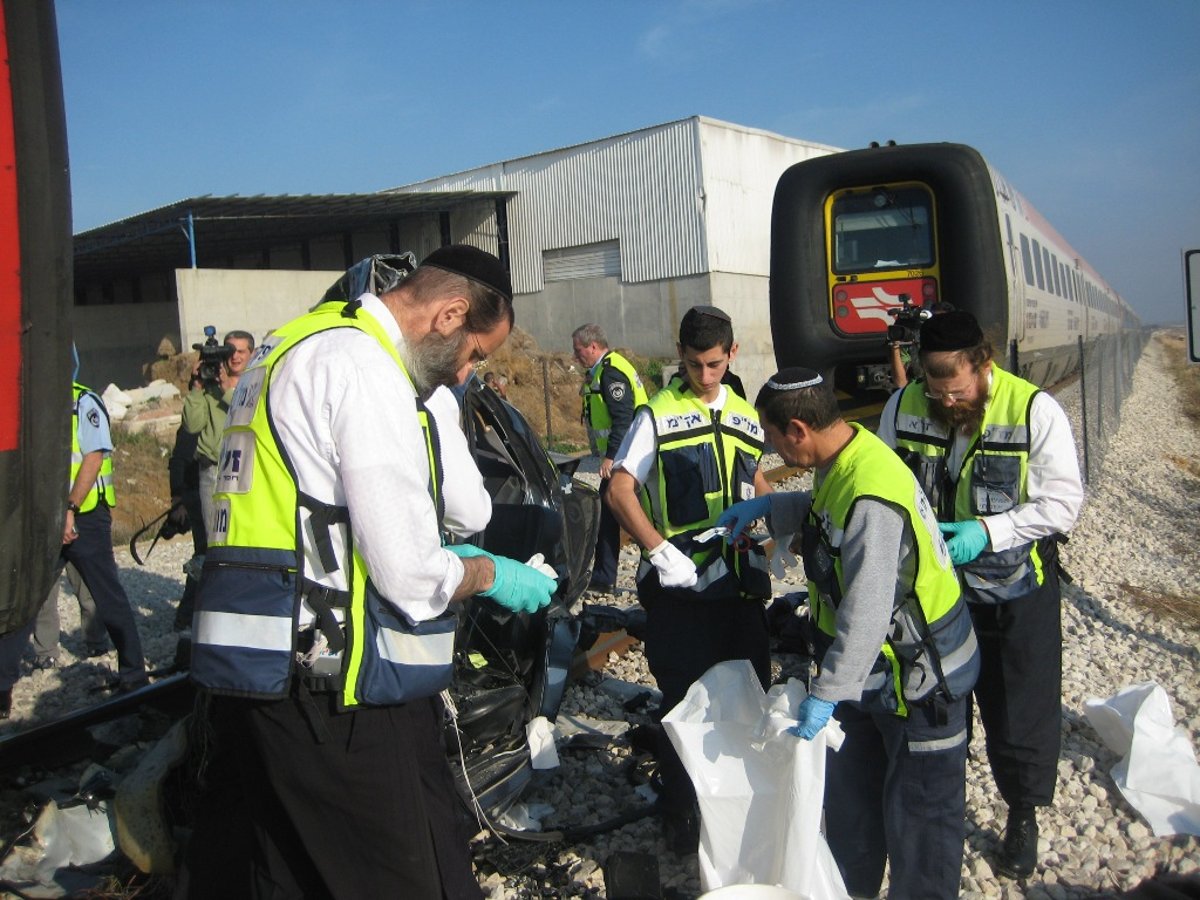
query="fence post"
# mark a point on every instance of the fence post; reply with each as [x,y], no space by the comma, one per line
[546,397]
[1087,469]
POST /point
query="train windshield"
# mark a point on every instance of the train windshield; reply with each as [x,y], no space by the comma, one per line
[882,228]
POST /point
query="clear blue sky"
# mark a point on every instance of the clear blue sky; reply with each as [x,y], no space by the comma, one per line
[1089,107]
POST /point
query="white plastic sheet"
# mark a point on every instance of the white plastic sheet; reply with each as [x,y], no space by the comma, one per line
[1158,773]
[760,789]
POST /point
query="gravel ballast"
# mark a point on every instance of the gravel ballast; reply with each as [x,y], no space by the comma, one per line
[1136,537]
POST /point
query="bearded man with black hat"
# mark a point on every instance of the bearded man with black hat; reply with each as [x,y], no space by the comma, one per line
[323,622]
[997,459]
[895,650]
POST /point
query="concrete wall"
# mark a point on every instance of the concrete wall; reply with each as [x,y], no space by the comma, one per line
[641,317]
[117,339]
[242,299]
[746,299]
[645,317]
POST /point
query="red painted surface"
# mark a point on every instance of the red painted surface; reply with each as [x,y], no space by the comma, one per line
[10,264]
[864,307]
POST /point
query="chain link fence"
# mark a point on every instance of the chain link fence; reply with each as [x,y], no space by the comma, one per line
[1105,380]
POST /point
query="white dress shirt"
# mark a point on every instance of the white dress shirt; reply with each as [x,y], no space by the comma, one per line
[1053,486]
[347,417]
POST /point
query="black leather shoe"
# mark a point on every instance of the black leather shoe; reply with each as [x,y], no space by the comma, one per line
[601,587]
[128,687]
[1018,854]
[681,831]
[5,703]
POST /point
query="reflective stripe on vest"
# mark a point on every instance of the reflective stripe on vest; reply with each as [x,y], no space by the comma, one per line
[266,532]
[991,480]
[930,650]
[104,486]
[705,461]
[595,406]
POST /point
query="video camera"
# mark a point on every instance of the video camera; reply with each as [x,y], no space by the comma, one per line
[907,325]
[213,355]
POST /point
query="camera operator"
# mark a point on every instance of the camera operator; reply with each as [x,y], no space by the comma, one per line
[902,338]
[214,377]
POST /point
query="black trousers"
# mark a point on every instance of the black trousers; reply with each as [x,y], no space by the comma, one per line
[350,805]
[1019,691]
[684,638]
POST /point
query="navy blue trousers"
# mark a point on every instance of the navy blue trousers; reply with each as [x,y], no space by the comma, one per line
[896,791]
[608,541]
[92,554]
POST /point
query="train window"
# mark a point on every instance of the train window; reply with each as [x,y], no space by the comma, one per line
[1027,259]
[1049,269]
[1037,265]
[1058,288]
[886,227]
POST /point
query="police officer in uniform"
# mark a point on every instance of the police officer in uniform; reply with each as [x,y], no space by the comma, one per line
[997,459]
[895,650]
[611,394]
[692,452]
[324,622]
[87,532]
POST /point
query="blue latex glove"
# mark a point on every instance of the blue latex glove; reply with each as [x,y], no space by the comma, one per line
[813,714]
[515,586]
[965,540]
[738,517]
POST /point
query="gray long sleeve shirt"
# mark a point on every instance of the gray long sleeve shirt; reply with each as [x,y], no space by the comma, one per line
[877,562]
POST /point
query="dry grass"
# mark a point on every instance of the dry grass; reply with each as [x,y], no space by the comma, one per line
[143,488]
[530,369]
[1186,374]
[1185,610]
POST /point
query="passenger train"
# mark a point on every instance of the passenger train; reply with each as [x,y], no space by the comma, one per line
[854,233]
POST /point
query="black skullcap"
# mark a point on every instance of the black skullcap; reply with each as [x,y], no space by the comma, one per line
[793,378]
[475,264]
[948,331]
[708,311]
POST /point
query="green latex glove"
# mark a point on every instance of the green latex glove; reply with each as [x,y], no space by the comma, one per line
[965,540]
[515,586]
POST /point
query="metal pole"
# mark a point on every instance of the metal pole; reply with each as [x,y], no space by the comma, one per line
[546,396]
[191,233]
[1087,470]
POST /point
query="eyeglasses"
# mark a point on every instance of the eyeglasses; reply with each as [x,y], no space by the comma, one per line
[948,395]
[481,357]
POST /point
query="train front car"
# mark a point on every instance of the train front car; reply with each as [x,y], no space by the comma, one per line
[855,233]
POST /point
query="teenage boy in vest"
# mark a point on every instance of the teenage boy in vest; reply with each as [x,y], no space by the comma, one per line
[612,392]
[691,453]
[997,459]
[895,651]
[327,519]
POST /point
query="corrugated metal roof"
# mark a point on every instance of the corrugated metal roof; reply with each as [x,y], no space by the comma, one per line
[226,226]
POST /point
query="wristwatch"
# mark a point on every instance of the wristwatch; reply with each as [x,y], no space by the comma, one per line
[73,507]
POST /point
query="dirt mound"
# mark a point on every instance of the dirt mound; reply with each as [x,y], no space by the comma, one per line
[545,384]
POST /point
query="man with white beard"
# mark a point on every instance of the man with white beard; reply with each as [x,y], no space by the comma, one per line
[323,621]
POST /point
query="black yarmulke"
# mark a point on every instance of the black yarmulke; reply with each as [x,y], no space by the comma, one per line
[948,331]
[473,263]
